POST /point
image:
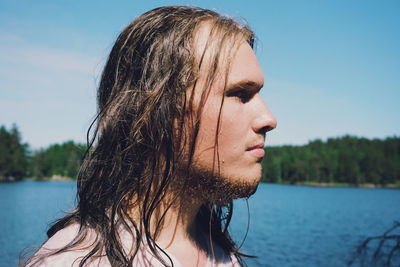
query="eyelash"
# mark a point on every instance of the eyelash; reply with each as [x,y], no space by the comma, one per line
[243,95]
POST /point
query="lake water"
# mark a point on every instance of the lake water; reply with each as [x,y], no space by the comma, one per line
[289,225]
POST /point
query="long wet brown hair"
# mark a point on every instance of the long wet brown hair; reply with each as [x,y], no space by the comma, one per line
[133,154]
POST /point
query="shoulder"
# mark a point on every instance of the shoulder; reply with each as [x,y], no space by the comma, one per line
[61,238]
[71,257]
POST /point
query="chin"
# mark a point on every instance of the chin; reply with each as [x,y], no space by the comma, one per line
[250,177]
[235,190]
[221,188]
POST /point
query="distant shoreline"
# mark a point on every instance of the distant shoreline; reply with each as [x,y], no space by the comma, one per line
[56,178]
[59,178]
[366,185]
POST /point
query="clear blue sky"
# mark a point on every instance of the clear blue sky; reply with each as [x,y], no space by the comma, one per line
[331,67]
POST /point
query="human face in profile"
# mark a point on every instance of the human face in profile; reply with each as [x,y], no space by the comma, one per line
[243,121]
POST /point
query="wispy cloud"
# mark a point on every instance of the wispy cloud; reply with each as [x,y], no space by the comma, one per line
[48,93]
[15,50]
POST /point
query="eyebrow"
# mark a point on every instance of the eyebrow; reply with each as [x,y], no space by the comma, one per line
[244,84]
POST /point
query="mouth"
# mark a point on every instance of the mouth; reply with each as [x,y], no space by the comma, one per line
[257,150]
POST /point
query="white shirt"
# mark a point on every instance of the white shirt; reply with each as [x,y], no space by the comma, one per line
[143,258]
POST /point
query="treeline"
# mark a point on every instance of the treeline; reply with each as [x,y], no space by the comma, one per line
[57,160]
[14,163]
[347,159]
[17,161]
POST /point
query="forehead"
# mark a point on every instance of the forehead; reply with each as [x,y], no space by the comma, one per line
[244,69]
[235,55]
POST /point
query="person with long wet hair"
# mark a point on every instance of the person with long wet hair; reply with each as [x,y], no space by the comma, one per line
[179,134]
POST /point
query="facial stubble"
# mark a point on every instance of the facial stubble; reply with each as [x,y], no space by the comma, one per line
[212,186]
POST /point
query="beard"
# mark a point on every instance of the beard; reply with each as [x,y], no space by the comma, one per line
[206,185]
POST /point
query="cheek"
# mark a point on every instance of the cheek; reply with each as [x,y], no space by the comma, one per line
[208,128]
[233,131]
[231,135]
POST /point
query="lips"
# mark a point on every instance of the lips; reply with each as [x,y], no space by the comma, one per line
[257,150]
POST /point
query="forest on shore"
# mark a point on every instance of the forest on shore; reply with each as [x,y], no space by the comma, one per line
[19,162]
[346,160]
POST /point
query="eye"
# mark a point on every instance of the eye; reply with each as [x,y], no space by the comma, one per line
[242,94]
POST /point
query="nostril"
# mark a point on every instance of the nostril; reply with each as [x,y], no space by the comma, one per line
[265,123]
[266,129]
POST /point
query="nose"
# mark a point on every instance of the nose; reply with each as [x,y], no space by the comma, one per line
[264,120]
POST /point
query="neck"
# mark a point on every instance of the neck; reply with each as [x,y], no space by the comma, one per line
[174,220]
[179,223]
[180,233]
[175,226]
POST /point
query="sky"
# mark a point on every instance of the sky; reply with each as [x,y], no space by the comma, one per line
[332,68]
